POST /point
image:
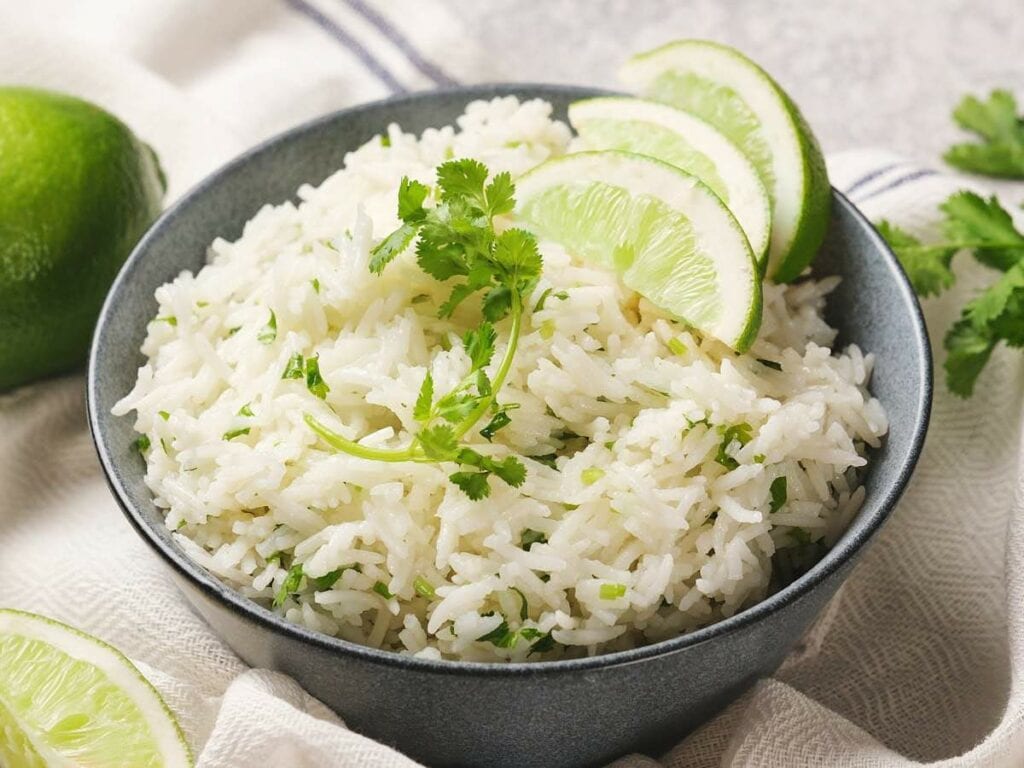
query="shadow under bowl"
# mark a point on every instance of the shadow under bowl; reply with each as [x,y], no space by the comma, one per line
[558,713]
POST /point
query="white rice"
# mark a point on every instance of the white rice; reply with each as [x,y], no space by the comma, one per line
[690,540]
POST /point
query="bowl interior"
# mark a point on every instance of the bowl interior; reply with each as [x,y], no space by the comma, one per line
[873,307]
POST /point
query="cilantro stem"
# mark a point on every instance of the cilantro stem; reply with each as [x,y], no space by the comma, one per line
[499,378]
[333,439]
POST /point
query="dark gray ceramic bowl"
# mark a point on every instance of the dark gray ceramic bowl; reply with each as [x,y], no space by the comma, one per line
[562,713]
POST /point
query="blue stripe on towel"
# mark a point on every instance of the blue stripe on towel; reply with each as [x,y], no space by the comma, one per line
[899,182]
[428,68]
[869,177]
[358,49]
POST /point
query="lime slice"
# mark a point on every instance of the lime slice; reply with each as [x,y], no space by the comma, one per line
[687,142]
[68,699]
[725,88]
[668,236]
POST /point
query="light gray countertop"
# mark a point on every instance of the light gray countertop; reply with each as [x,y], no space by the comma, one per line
[882,73]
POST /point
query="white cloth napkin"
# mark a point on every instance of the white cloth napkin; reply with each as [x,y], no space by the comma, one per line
[918,660]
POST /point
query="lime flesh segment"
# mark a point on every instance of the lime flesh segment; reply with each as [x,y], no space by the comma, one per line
[666,234]
[687,142]
[69,699]
[729,91]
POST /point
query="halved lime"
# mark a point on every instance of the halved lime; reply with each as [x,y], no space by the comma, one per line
[687,142]
[68,699]
[668,236]
[728,90]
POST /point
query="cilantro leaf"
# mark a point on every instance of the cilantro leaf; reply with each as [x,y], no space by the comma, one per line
[479,345]
[927,266]
[232,434]
[440,260]
[529,537]
[497,303]
[269,332]
[473,484]
[543,645]
[456,406]
[515,251]
[499,194]
[314,381]
[290,585]
[779,492]
[382,589]
[411,195]
[387,249]
[510,469]
[1001,151]
[463,178]
[968,351]
[325,582]
[995,315]
[499,421]
[459,294]
[986,226]
[293,370]
[438,443]
[425,399]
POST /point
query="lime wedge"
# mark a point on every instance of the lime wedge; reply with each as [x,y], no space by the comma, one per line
[728,90]
[687,142]
[68,699]
[667,235]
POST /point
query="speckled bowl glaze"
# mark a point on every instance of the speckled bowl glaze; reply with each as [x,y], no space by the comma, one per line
[562,713]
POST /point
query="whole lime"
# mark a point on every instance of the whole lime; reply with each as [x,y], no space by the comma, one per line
[77,190]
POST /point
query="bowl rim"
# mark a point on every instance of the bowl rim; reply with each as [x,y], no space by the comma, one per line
[212,588]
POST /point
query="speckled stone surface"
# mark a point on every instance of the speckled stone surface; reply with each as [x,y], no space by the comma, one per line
[881,73]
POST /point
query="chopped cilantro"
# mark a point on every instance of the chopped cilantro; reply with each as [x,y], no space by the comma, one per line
[245,410]
[164,415]
[268,332]
[382,589]
[610,591]
[424,588]
[142,443]
[289,586]
[591,475]
[738,433]
[314,381]
[779,493]
[171,320]
[294,368]
[524,607]
[233,433]
[315,282]
[529,537]
[770,364]
[676,347]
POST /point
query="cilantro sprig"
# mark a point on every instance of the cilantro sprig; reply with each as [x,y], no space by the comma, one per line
[1000,151]
[984,228]
[456,240]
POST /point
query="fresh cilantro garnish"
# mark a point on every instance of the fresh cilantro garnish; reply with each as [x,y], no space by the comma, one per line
[164,415]
[424,588]
[325,582]
[591,475]
[1001,130]
[232,434]
[676,347]
[315,282]
[609,591]
[544,644]
[382,589]
[770,364]
[524,607]
[142,443]
[290,585]
[985,228]
[529,537]
[779,492]
[268,332]
[314,381]
[456,239]
[737,433]
[245,410]
[501,636]
[560,295]
[293,370]
[171,320]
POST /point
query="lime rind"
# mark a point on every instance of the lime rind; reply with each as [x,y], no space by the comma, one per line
[664,231]
[687,142]
[738,97]
[116,689]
